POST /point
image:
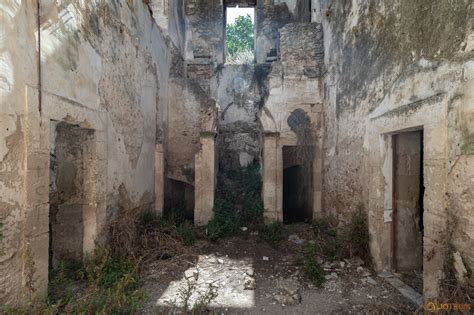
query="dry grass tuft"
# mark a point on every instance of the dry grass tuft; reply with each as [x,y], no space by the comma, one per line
[145,237]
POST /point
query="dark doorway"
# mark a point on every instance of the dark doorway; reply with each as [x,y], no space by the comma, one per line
[180,200]
[71,160]
[408,191]
[296,187]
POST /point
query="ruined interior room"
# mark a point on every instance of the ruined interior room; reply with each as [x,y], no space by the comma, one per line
[236,156]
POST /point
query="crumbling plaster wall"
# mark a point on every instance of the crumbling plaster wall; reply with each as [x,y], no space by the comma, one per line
[241,91]
[294,88]
[270,16]
[104,67]
[204,30]
[394,66]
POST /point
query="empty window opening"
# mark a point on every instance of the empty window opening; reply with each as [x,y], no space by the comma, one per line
[240,29]
[71,192]
[408,206]
[180,200]
[297,197]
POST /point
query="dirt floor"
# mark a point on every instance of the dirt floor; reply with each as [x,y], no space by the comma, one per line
[245,275]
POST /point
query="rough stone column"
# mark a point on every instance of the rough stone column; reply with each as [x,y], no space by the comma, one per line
[270,178]
[35,212]
[159,179]
[205,179]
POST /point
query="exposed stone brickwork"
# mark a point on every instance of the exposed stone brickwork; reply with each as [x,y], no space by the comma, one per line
[302,49]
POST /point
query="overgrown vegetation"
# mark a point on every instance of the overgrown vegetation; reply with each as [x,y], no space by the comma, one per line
[273,233]
[351,241]
[238,202]
[103,284]
[240,41]
[199,305]
[107,282]
[312,269]
[358,236]
[451,289]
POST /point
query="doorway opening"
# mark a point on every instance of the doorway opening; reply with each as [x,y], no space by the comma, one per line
[180,200]
[297,197]
[407,216]
[71,192]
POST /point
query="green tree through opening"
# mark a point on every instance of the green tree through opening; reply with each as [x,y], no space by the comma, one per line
[239,41]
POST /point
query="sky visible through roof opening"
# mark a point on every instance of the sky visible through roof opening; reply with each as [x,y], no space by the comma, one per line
[233,13]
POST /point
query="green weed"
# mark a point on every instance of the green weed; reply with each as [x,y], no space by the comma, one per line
[273,233]
[312,269]
[238,202]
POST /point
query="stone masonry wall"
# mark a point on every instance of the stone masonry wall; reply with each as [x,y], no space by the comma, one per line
[104,67]
[395,66]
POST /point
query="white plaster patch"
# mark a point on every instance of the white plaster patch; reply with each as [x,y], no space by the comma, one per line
[425,63]
[245,159]
[6,75]
[387,216]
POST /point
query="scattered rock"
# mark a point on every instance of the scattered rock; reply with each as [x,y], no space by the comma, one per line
[286,299]
[356,261]
[371,281]
[342,264]
[265,258]
[360,269]
[330,285]
[220,261]
[244,229]
[459,267]
[385,274]
[291,286]
[295,239]
[191,274]
[249,283]
[250,272]
[330,276]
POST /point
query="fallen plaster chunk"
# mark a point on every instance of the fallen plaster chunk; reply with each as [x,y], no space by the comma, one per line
[405,290]
[459,267]
[371,281]
[385,274]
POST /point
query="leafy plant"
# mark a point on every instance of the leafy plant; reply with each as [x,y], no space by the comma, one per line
[240,38]
[358,235]
[273,233]
[312,269]
[188,233]
[329,242]
[238,202]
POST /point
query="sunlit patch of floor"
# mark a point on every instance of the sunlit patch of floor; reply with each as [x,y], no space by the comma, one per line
[219,282]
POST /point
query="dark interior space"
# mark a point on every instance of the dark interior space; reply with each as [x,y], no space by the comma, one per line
[296,187]
[180,199]
[70,161]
